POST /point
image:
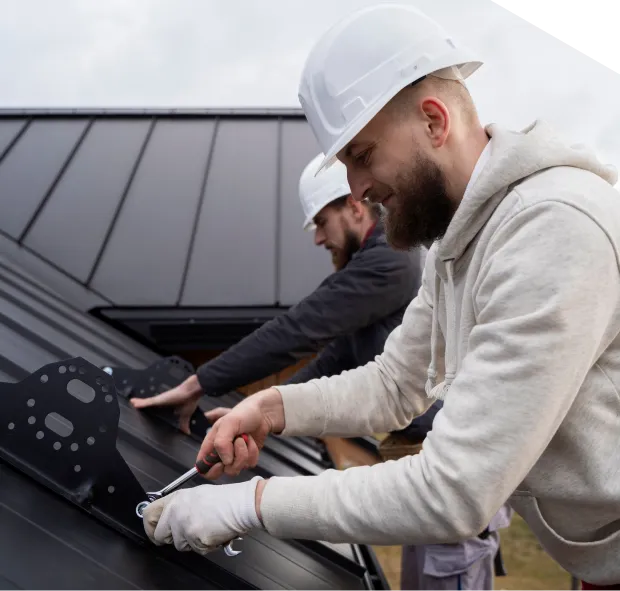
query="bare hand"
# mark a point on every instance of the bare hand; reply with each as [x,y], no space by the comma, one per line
[184,398]
[215,414]
[258,415]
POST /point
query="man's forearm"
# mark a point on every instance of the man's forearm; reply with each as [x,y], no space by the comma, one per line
[260,354]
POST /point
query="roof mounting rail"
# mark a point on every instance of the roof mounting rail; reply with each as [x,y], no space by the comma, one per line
[155,379]
[60,427]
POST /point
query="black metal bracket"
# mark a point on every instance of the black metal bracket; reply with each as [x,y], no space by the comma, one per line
[59,426]
[155,379]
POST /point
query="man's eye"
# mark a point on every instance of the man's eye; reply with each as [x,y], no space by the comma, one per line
[363,157]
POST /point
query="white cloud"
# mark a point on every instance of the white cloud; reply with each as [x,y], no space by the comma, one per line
[204,53]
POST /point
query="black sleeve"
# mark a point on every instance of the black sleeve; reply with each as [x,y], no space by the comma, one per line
[372,285]
[334,359]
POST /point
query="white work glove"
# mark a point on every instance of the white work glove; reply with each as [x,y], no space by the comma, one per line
[204,517]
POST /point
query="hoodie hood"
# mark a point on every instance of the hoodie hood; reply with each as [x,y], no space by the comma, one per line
[514,156]
[508,158]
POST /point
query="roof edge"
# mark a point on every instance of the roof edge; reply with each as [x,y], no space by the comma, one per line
[286,112]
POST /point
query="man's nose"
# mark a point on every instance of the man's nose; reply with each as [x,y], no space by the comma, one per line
[359,183]
[319,236]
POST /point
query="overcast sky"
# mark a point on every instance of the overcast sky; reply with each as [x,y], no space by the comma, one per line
[227,53]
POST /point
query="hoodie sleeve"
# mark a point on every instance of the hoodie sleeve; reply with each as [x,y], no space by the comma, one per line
[545,298]
[390,389]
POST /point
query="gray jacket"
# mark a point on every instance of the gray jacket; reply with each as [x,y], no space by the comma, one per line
[349,316]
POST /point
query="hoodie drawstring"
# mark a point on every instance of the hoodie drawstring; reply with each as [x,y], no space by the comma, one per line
[434,390]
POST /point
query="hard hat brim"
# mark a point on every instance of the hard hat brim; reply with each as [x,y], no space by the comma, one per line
[308,224]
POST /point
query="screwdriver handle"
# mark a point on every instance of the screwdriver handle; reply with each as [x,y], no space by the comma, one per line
[204,465]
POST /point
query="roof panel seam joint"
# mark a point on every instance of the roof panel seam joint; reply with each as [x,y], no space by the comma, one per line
[56,180]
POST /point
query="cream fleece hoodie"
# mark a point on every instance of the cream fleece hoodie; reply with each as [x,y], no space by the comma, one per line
[517,326]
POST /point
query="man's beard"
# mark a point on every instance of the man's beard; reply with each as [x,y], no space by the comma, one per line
[422,210]
[341,256]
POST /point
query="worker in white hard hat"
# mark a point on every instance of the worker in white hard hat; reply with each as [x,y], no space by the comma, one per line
[516,326]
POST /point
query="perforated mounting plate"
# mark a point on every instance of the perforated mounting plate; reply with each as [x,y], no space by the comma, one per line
[155,379]
[59,426]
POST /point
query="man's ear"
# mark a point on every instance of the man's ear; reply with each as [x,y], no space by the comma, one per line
[437,120]
[356,208]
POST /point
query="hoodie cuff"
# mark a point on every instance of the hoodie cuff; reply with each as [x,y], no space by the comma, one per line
[305,413]
[287,508]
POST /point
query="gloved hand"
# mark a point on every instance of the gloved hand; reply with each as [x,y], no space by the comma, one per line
[204,517]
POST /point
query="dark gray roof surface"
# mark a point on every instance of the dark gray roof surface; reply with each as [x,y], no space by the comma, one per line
[48,542]
[160,207]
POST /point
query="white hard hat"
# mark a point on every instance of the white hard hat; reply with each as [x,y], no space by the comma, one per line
[316,191]
[363,61]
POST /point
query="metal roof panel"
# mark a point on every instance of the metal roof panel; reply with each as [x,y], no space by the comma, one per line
[233,256]
[219,221]
[144,260]
[30,168]
[74,222]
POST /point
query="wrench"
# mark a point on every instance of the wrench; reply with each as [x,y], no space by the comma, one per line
[201,467]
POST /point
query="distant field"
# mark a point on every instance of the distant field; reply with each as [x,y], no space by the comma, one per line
[528,566]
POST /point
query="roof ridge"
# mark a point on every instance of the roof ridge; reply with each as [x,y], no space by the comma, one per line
[154,111]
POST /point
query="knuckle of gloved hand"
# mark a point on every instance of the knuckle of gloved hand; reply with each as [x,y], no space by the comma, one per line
[202,549]
[180,543]
[196,536]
